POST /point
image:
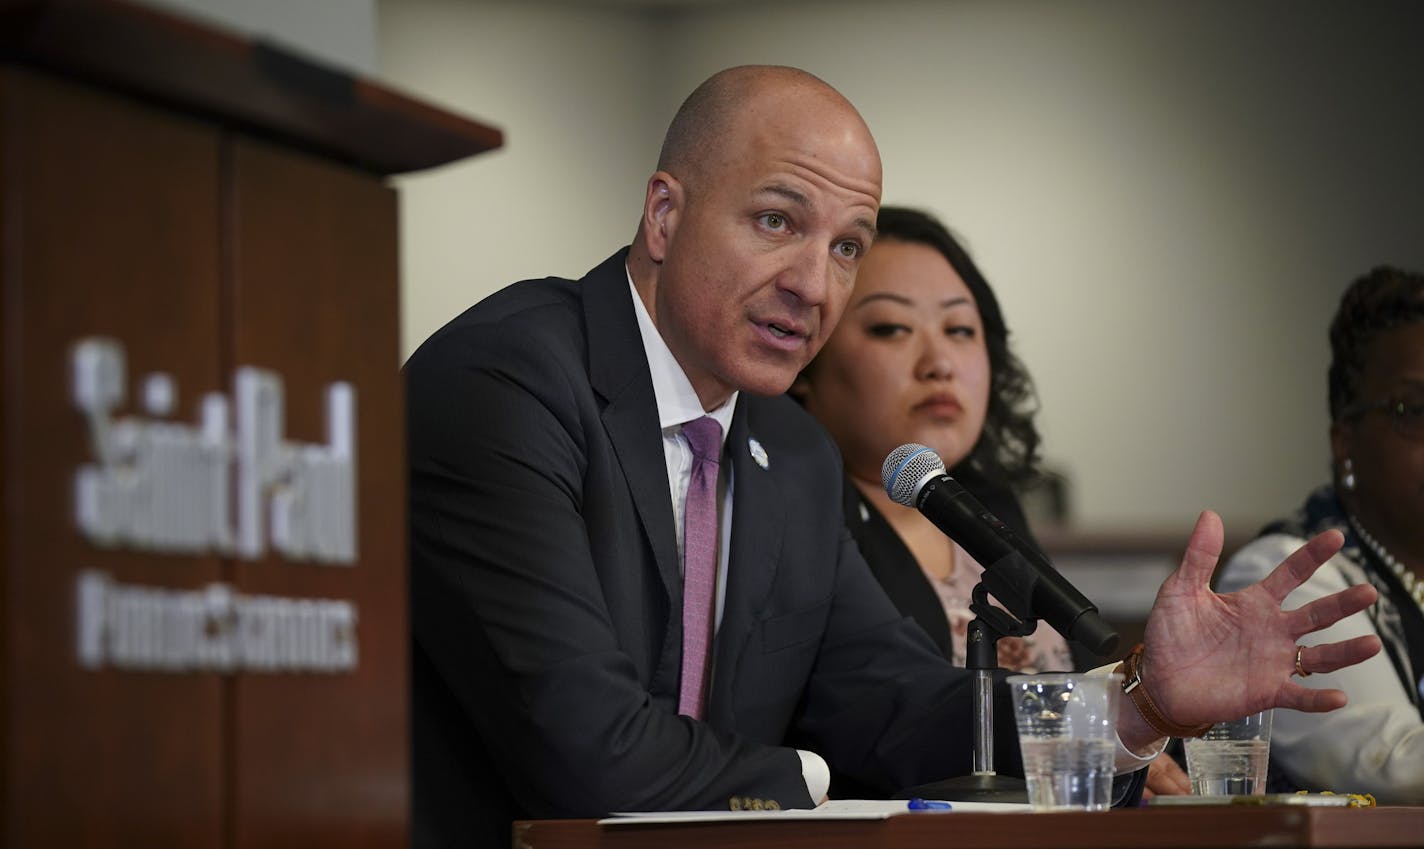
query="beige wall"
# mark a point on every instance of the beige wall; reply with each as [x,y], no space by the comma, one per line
[341,33]
[1169,197]
[570,87]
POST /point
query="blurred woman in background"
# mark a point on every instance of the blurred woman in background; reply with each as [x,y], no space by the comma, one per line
[1376,498]
[922,355]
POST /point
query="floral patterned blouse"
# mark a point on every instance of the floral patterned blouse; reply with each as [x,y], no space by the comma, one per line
[1044,650]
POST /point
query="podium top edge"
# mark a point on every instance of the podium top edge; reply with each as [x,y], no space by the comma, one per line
[248,84]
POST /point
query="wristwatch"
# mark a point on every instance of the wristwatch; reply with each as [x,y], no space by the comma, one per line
[1131,669]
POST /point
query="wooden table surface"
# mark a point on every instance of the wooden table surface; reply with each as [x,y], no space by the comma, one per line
[1160,828]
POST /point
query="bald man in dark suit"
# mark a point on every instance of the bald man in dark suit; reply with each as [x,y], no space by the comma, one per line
[549,467]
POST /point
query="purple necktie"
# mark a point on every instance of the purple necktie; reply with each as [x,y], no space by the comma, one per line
[699,561]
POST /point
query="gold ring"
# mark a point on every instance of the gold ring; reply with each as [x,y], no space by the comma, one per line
[1300,670]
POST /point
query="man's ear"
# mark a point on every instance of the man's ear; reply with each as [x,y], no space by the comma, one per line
[662,209]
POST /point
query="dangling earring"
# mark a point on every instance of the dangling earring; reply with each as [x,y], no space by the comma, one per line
[1348,479]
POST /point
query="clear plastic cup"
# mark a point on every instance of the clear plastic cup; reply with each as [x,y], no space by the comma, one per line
[1067,733]
[1230,759]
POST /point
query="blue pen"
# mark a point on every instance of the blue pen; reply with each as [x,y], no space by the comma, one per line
[927,805]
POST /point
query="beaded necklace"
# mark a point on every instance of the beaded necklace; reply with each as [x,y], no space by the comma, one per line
[1412,585]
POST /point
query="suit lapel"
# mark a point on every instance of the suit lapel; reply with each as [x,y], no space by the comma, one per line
[756,550]
[618,372]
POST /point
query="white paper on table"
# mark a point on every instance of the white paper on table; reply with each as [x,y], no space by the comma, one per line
[836,809]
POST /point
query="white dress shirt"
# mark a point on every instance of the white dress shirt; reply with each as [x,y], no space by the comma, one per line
[678,404]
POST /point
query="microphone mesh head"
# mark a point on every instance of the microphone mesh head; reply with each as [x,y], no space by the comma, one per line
[906,470]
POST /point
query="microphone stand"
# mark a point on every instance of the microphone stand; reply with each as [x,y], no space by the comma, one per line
[1012,583]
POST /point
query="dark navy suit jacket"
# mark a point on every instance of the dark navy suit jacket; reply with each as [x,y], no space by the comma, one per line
[545,592]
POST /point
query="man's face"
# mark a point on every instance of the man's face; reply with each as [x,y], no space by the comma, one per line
[763,245]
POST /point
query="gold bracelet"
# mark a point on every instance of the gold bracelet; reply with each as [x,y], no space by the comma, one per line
[1131,669]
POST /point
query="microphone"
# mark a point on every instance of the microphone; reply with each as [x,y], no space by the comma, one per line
[914,476]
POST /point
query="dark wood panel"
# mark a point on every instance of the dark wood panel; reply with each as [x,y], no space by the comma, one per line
[107,228]
[315,298]
[255,86]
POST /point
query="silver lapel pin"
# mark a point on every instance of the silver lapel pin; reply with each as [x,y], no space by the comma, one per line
[758,452]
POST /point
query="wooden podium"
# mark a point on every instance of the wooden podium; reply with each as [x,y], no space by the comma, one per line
[203,538]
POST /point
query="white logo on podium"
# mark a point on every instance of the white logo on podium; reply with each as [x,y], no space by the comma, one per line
[228,484]
[170,487]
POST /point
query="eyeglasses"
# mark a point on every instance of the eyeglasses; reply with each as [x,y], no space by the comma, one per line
[1407,414]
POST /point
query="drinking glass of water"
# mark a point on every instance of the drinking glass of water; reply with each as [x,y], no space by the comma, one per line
[1230,759]
[1067,728]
